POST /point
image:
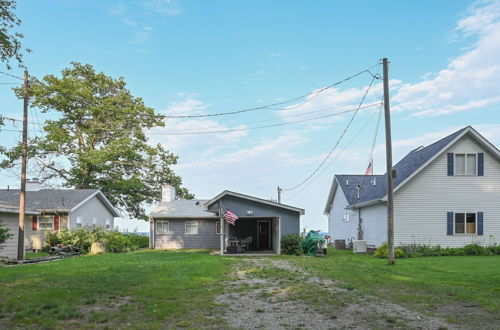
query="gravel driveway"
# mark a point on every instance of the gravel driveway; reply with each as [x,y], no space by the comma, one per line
[270,293]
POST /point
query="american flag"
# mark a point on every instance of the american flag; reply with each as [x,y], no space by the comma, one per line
[369,169]
[230,217]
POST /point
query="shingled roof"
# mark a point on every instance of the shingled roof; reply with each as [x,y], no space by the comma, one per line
[62,200]
[182,208]
[414,160]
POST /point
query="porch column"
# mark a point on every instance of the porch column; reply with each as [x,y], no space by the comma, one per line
[221,235]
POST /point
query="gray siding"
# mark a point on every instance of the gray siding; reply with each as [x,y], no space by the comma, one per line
[92,208]
[289,220]
[421,205]
[35,239]
[10,247]
[178,239]
[337,227]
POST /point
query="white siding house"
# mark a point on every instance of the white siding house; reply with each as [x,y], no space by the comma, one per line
[446,194]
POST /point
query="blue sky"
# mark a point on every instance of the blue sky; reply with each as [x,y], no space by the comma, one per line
[201,57]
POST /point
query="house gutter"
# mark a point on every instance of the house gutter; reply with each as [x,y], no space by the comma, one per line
[357,206]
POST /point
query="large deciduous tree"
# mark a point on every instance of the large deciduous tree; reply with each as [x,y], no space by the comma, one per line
[10,41]
[98,140]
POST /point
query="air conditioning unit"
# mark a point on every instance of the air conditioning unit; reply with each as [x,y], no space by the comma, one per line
[359,246]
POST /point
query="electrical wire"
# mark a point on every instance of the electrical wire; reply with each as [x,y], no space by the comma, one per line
[336,157]
[10,75]
[259,127]
[338,141]
[315,93]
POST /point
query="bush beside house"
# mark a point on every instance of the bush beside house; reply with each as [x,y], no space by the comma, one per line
[4,234]
[414,250]
[83,238]
[291,244]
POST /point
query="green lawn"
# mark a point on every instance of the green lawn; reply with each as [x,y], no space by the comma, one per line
[426,284]
[144,289]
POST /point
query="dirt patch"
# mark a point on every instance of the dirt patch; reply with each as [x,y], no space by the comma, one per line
[271,293]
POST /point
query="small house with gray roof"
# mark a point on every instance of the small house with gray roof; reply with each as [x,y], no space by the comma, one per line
[447,194]
[200,223]
[59,209]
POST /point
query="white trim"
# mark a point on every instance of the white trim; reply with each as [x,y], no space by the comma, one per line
[163,232]
[465,223]
[104,199]
[218,224]
[331,195]
[38,227]
[186,224]
[255,199]
[469,129]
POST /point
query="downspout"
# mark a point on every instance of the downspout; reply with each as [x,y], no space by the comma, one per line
[360,226]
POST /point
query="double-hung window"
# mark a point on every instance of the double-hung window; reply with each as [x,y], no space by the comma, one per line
[192,227]
[347,217]
[465,223]
[162,227]
[217,228]
[46,222]
[465,164]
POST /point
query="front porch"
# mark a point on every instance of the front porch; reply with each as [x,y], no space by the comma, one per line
[251,236]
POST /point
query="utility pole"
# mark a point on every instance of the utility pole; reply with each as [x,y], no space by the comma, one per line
[24,157]
[388,150]
[279,194]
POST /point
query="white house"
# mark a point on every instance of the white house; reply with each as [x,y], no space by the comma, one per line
[447,194]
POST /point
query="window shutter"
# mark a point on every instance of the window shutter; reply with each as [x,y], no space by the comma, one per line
[34,225]
[56,222]
[480,164]
[449,223]
[450,164]
[479,223]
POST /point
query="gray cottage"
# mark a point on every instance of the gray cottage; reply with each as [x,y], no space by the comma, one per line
[58,209]
[199,224]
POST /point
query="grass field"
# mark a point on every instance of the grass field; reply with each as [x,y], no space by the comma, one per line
[144,289]
[455,286]
[159,289]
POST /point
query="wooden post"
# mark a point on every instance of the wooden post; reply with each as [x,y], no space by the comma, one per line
[24,157]
[388,150]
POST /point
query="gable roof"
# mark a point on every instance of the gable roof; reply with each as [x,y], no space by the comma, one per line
[56,200]
[182,208]
[255,199]
[406,168]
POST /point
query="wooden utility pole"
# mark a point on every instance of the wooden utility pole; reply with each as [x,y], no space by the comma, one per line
[279,194]
[24,158]
[388,150]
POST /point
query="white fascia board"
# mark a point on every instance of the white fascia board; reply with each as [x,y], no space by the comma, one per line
[331,195]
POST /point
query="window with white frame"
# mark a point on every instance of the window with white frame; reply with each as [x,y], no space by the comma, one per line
[347,217]
[192,227]
[465,164]
[218,227]
[79,223]
[162,227]
[465,223]
[46,222]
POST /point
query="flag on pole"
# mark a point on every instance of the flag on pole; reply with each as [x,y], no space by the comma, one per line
[229,216]
[369,169]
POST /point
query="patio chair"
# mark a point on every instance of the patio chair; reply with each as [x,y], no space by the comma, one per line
[246,243]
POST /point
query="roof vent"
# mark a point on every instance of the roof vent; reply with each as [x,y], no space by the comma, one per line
[419,148]
[347,182]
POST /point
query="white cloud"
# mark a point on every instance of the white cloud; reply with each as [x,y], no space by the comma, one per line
[163,7]
[471,80]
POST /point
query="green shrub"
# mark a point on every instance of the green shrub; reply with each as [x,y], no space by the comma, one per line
[291,244]
[140,241]
[383,252]
[83,238]
[475,250]
[4,234]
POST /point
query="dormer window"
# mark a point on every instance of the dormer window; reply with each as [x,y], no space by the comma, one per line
[465,164]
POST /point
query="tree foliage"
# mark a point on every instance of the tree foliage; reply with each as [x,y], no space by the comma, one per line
[4,234]
[10,41]
[98,140]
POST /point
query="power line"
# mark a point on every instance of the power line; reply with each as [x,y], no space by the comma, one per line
[338,141]
[337,156]
[315,93]
[260,127]
[11,75]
